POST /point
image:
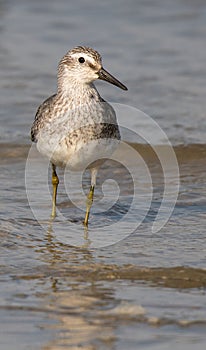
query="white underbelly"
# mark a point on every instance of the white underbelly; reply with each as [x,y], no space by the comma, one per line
[80,156]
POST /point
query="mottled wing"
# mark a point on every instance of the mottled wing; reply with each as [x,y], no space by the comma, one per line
[42,116]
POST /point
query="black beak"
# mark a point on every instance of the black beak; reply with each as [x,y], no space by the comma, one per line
[104,75]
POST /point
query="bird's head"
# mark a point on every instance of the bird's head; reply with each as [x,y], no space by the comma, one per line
[84,65]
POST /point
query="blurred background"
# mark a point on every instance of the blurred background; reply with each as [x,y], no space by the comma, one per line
[157,48]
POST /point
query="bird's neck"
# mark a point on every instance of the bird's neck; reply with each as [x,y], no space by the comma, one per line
[76,90]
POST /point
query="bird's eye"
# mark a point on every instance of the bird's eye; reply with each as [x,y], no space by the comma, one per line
[81,60]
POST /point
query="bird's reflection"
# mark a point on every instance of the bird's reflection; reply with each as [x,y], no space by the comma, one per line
[77,299]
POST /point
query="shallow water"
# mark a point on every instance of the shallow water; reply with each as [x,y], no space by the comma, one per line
[121,284]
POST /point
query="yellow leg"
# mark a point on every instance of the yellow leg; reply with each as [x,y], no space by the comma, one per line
[55,182]
[89,204]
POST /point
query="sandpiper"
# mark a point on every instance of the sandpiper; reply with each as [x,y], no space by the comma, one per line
[75,126]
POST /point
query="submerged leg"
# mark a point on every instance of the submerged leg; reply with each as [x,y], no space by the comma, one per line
[55,182]
[90,195]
